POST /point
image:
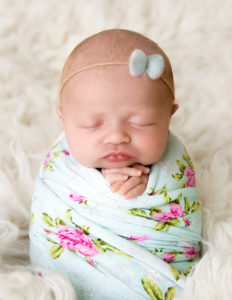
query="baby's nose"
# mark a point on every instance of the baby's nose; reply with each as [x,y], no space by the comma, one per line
[117,136]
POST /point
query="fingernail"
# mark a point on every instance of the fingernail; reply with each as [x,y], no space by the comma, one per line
[139,172]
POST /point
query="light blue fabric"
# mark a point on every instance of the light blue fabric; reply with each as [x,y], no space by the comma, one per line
[109,247]
[140,63]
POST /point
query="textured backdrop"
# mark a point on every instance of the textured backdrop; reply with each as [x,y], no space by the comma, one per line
[36,37]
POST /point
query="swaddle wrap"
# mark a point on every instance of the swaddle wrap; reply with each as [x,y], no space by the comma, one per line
[109,247]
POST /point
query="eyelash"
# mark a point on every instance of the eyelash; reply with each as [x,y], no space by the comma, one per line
[143,125]
[91,126]
[97,125]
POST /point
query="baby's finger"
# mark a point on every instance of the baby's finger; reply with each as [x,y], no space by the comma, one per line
[138,190]
[116,186]
[112,177]
[143,168]
[130,171]
[130,184]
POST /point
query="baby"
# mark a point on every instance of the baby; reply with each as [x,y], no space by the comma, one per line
[123,120]
[116,101]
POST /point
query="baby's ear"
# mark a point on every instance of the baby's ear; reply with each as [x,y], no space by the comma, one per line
[174,108]
[59,112]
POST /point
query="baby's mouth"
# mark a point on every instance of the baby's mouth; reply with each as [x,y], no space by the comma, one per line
[117,156]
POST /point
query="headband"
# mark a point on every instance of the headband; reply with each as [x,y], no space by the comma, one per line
[139,63]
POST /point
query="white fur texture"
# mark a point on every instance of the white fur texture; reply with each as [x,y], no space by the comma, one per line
[36,37]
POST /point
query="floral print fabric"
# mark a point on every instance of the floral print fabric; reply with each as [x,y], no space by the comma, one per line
[109,247]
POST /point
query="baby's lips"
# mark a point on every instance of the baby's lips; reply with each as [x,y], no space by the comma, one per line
[117,156]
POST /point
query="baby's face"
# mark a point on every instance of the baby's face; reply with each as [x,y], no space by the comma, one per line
[112,119]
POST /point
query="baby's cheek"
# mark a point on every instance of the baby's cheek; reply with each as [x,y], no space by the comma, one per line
[152,148]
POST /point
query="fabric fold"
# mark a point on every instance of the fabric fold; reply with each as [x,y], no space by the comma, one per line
[109,247]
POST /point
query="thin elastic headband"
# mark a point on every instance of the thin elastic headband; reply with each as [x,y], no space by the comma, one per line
[139,63]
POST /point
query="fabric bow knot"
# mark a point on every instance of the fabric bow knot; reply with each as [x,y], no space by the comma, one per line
[140,63]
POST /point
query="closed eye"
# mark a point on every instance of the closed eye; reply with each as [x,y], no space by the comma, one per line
[142,124]
[91,125]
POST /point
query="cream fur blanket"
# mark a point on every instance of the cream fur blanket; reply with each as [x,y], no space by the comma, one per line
[36,36]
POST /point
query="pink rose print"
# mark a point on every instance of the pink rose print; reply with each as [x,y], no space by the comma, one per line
[75,239]
[47,230]
[139,238]
[46,162]
[168,257]
[190,252]
[65,152]
[187,222]
[176,210]
[191,181]
[163,216]
[77,198]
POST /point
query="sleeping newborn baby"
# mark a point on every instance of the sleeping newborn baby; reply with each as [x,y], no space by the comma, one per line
[116,102]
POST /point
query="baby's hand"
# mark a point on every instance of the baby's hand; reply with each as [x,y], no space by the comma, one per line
[129,182]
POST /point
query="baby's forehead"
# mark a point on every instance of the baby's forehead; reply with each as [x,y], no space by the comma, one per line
[89,89]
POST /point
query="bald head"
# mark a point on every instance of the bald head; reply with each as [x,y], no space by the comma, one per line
[109,46]
[112,47]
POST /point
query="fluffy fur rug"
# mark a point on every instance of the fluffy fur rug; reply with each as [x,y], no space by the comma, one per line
[36,37]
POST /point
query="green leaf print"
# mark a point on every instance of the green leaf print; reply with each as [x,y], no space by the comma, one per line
[47,220]
[173,222]
[98,247]
[50,167]
[167,198]
[161,226]
[152,289]
[53,147]
[59,221]
[176,274]
[181,166]
[171,292]
[51,241]
[177,176]
[187,158]
[32,218]
[186,205]
[68,214]
[55,251]
[179,196]
[177,200]
[195,206]
[101,242]
[187,271]
[162,190]
[85,229]
[117,251]
[155,209]
[136,212]
[55,154]
[106,247]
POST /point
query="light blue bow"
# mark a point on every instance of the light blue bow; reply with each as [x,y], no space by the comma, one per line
[140,63]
